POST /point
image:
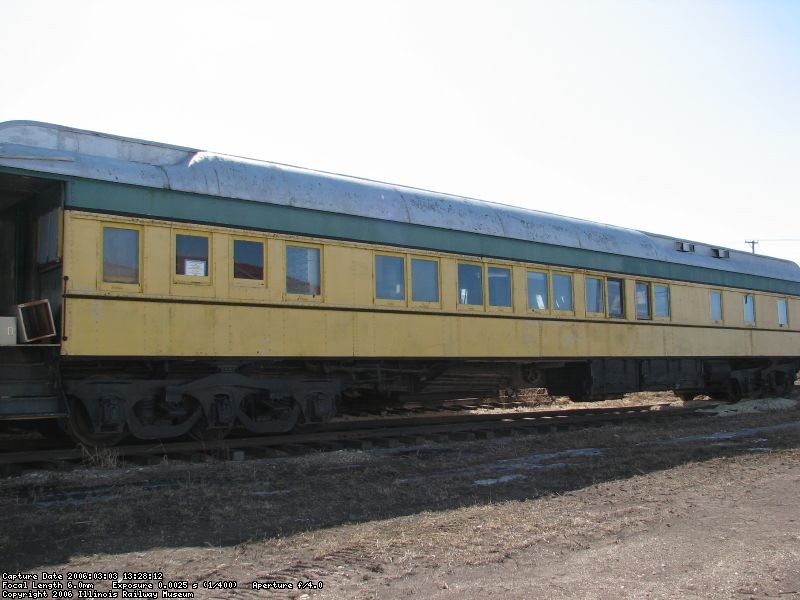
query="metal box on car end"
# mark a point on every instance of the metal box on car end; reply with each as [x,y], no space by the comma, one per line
[35,320]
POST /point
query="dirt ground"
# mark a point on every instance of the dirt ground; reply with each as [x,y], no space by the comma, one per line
[699,508]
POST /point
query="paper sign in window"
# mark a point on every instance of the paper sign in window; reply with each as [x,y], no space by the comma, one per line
[196,268]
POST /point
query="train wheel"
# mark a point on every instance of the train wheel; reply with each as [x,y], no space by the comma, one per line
[81,430]
[201,430]
[782,384]
[755,393]
[733,391]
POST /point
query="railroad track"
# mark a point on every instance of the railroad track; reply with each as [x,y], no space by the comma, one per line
[360,434]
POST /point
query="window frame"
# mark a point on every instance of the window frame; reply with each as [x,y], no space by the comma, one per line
[406,290]
[549,300]
[471,307]
[562,311]
[287,295]
[721,320]
[410,281]
[747,323]
[656,317]
[207,279]
[785,302]
[486,293]
[239,282]
[603,292]
[114,285]
[622,303]
[649,297]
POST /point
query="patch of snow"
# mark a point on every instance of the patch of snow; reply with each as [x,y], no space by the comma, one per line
[503,479]
[750,406]
[271,493]
[722,435]
[76,500]
[534,462]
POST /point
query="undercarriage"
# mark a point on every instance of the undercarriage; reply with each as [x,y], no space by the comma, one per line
[107,401]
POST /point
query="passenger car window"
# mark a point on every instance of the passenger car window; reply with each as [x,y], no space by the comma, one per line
[615,301]
[661,300]
[120,255]
[303,270]
[390,277]
[424,280]
[499,286]
[562,291]
[191,255]
[470,284]
[783,313]
[537,290]
[594,295]
[248,260]
[749,305]
[715,304]
[642,300]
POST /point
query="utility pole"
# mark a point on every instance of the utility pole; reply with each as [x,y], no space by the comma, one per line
[754,242]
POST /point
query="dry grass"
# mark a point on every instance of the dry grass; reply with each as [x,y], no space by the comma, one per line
[374,514]
[104,458]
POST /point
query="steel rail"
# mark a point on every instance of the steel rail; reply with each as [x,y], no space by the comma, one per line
[373,429]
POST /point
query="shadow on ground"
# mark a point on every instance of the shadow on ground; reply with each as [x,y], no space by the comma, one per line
[47,518]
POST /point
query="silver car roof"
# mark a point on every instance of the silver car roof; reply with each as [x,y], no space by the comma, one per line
[60,150]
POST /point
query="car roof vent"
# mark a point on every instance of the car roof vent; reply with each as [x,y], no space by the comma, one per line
[720,253]
[684,247]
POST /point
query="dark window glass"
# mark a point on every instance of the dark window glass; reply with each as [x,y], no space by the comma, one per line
[615,295]
[499,286]
[47,240]
[424,280]
[470,284]
[749,309]
[642,300]
[537,291]
[661,300]
[302,270]
[715,303]
[562,291]
[594,295]
[390,277]
[191,255]
[248,260]
[120,255]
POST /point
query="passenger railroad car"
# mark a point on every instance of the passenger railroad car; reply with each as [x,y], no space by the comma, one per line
[193,292]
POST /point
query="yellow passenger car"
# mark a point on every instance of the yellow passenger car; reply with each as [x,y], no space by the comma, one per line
[194,292]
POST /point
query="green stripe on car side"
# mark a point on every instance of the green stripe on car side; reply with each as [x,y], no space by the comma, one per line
[104,196]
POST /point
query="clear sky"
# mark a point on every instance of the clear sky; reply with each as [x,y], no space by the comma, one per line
[677,117]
